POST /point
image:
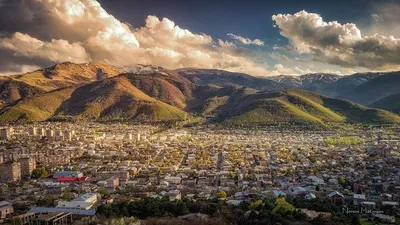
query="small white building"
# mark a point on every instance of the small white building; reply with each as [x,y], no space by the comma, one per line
[83,202]
[173,180]
[315,180]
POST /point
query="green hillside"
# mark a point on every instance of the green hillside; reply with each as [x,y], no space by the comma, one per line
[11,91]
[299,107]
[96,92]
[390,103]
[116,99]
[35,108]
[169,89]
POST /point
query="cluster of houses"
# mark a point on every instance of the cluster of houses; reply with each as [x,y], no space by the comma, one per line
[133,161]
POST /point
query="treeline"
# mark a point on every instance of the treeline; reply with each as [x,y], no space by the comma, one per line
[258,211]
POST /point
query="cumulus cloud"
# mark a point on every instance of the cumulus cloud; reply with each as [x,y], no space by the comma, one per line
[37,32]
[339,44]
[54,51]
[385,19]
[280,69]
[246,41]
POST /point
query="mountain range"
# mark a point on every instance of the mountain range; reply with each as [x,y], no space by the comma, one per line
[364,88]
[101,92]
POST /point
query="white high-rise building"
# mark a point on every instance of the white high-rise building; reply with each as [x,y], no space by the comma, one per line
[42,132]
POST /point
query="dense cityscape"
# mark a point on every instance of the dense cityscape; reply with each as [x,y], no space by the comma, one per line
[75,171]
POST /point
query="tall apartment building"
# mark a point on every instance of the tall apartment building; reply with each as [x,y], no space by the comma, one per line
[6,133]
[68,135]
[42,132]
[28,164]
[10,171]
[49,133]
[33,131]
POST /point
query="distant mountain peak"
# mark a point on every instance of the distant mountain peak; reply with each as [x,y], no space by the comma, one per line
[144,69]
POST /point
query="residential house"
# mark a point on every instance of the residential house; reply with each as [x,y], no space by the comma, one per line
[358,199]
[336,198]
[6,209]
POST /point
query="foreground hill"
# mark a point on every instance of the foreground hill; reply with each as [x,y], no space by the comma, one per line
[167,87]
[67,74]
[13,88]
[110,99]
[116,99]
[99,92]
[390,103]
[298,107]
[39,107]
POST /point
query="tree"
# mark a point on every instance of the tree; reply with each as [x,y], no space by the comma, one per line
[66,194]
[39,173]
[221,194]
[254,205]
[282,207]
[47,200]
[355,220]
[103,193]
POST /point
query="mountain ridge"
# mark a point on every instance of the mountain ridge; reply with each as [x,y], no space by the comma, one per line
[101,92]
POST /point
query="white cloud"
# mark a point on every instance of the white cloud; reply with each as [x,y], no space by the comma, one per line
[246,41]
[339,44]
[90,33]
[385,19]
[55,50]
[280,69]
[37,33]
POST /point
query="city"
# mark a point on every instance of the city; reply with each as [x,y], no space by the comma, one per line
[68,169]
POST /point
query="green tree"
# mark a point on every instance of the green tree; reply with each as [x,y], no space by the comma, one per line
[282,207]
[355,220]
[39,173]
[103,193]
[221,194]
[47,200]
[254,205]
[66,194]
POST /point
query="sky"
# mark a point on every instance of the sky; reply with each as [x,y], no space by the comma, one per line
[258,37]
